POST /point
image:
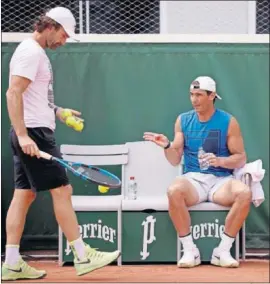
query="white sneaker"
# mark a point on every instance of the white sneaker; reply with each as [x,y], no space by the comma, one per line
[190,258]
[223,258]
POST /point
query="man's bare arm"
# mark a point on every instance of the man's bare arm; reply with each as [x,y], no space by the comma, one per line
[175,152]
[14,94]
[18,85]
[235,142]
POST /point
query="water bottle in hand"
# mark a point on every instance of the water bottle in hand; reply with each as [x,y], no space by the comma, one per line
[204,165]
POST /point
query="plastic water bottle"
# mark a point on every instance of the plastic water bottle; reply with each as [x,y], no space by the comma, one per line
[132,188]
[204,165]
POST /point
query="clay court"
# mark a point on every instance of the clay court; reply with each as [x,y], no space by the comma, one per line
[250,271]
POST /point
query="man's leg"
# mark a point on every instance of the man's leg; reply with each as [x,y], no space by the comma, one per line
[14,267]
[16,215]
[64,212]
[182,194]
[67,220]
[238,195]
[86,259]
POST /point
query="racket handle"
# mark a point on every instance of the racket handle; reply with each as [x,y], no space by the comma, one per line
[45,155]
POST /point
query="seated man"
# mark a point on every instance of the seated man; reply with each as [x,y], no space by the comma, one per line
[212,144]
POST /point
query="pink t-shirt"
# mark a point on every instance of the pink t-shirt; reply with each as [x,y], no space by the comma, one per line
[30,60]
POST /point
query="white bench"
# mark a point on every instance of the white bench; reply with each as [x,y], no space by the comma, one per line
[153,174]
[98,155]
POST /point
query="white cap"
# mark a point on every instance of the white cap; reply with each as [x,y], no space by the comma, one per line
[65,18]
[204,83]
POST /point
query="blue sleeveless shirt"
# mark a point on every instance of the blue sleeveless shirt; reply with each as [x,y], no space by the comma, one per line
[211,135]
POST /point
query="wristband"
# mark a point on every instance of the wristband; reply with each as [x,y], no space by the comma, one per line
[168,146]
[55,110]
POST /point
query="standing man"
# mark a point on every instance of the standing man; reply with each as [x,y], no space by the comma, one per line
[213,147]
[32,112]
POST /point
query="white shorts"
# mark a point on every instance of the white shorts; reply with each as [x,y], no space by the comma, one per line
[206,184]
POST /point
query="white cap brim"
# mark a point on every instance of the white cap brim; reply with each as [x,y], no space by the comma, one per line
[71,34]
[218,97]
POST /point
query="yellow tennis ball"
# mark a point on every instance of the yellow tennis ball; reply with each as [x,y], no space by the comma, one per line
[78,126]
[70,121]
[103,189]
[66,113]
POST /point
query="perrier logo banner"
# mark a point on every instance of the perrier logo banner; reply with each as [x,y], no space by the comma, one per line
[98,229]
[148,237]
[198,231]
[207,230]
[151,237]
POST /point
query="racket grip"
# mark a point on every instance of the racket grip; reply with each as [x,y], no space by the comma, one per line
[45,155]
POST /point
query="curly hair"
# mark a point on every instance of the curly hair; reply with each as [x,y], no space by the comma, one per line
[44,22]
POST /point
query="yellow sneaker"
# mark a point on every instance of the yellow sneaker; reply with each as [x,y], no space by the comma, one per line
[21,271]
[94,260]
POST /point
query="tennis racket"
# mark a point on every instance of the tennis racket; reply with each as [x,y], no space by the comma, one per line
[86,172]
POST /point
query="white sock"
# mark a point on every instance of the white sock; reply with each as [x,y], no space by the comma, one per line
[226,243]
[12,254]
[79,247]
[187,242]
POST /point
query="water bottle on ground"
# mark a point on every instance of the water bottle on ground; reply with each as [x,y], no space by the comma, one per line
[132,188]
[204,165]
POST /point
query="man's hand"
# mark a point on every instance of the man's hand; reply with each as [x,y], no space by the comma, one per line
[160,139]
[212,160]
[28,146]
[60,110]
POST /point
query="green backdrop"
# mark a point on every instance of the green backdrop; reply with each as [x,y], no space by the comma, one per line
[125,89]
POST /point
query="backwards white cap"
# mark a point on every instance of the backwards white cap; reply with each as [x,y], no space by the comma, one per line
[65,18]
[204,83]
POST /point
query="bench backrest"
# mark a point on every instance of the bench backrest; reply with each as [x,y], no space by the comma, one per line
[152,172]
[97,155]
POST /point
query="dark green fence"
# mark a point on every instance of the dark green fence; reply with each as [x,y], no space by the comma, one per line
[126,89]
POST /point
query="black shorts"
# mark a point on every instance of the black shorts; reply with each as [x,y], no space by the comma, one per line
[33,173]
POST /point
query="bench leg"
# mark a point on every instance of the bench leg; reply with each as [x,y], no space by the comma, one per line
[179,247]
[237,247]
[244,241]
[60,245]
[119,235]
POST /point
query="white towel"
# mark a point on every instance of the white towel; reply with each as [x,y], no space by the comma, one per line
[257,174]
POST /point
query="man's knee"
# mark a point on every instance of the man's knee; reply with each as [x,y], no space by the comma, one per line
[62,192]
[178,189]
[241,191]
[24,196]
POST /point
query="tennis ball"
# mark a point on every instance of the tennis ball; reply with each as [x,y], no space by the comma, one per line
[103,189]
[78,126]
[66,113]
[75,122]
[71,121]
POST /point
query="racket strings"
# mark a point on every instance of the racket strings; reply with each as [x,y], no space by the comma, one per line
[95,175]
